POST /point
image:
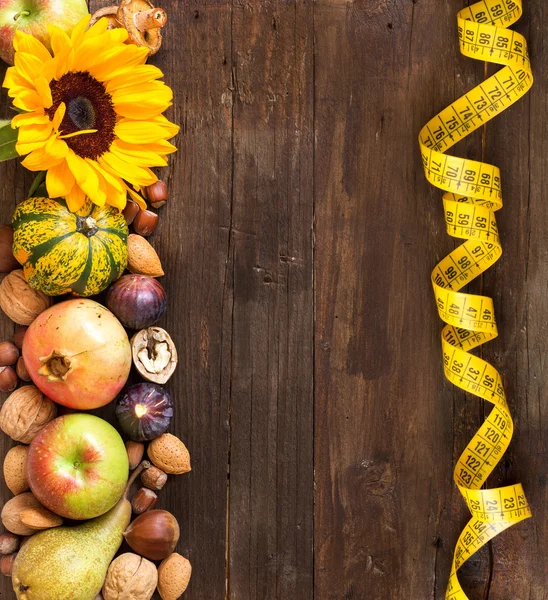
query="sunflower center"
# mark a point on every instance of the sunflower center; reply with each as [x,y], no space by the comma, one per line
[81,112]
[89,106]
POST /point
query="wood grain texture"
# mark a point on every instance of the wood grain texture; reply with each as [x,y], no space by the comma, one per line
[298,243]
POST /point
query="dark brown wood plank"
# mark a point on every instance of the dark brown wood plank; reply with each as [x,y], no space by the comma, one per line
[271,467]
[388,428]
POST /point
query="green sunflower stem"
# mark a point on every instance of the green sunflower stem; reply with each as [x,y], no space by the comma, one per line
[37,184]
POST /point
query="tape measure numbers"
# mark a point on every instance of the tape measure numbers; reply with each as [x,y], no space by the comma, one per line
[473,195]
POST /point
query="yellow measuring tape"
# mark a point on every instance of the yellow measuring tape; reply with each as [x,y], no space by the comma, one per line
[473,194]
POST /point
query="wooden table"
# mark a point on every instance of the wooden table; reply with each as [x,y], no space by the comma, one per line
[298,243]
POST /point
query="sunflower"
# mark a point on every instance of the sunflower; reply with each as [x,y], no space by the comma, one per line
[91,114]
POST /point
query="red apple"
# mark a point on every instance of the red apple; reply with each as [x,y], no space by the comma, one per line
[33,17]
[78,354]
[77,466]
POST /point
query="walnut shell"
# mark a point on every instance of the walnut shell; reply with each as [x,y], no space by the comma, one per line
[15,469]
[130,576]
[173,576]
[19,301]
[11,513]
[25,413]
[168,453]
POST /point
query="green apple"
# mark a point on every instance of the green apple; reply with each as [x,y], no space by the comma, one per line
[78,466]
[33,17]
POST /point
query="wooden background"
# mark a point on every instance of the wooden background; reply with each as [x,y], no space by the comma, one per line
[298,243]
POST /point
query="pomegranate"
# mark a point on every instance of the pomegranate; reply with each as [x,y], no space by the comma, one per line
[78,354]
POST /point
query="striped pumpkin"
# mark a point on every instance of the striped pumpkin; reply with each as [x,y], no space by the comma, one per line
[64,252]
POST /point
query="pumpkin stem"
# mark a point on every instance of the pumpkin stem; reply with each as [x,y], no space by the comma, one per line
[86,226]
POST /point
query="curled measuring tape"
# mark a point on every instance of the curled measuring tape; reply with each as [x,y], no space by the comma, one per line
[473,194]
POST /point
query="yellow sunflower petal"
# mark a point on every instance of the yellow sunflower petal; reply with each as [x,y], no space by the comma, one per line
[142,101]
[116,194]
[86,177]
[170,128]
[100,49]
[114,182]
[28,100]
[59,116]
[139,132]
[75,199]
[59,180]
[35,133]
[126,170]
[139,155]
[28,66]
[49,68]
[39,160]
[137,198]
[26,119]
[79,31]
[128,76]
[14,79]
[96,29]
[23,148]
[125,56]
[59,40]
[28,43]
[162,147]
[44,91]
[56,148]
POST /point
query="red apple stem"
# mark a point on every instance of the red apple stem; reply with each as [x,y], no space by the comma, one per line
[144,465]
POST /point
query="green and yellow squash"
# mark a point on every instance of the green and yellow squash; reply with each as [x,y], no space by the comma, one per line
[64,252]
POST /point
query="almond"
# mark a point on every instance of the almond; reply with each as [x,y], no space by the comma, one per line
[142,258]
[15,469]
[168,453]
[11,513]
[173,576]
[40,518]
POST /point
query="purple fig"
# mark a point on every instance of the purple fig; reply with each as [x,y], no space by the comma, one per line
[137,300]
[144,411]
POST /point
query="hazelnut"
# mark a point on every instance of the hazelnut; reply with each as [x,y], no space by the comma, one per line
[8,379]
[6,564]
[15,469]
[167,452]
[25,412]
[7,260]
[154,478]
[8,354]
[21,369]
[154,534]
[173,576]
[143,500]
[19,334]
[131,211]
[130,576]
[135,451]
[142,259]
[19,301]
[157,194]
[145,222]
[154,354]
[9,543]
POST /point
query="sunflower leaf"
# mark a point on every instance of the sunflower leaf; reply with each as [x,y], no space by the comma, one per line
[8,139]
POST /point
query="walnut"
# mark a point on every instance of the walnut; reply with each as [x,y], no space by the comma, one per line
[19,301]
[154,354]
[25,412]
[130,576]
